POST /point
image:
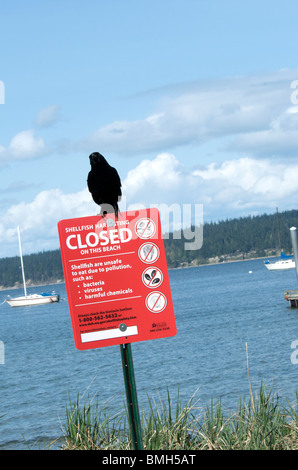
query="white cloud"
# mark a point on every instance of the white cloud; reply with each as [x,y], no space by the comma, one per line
[279,139]
[159,181]
[253,112]
[47,116]
[243,172]
[234,187]
[38,219]
[249,182]
[239,187]
[129,136]
[162,173]
[24,145]
[249,116]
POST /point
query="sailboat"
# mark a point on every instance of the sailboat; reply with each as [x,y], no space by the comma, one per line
[285,262]
[30,299]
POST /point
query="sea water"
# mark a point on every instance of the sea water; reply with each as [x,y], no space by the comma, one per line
[226,314]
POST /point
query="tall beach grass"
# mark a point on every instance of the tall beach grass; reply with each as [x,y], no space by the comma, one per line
[260,422]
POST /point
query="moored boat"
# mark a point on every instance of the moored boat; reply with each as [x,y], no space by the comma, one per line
[282,264]
[33,299]
[30,299]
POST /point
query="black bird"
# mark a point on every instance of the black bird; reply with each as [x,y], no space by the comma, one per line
[104,184]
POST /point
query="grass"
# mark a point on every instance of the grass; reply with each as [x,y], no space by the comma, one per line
[262,423]
[88,427]
[259,423]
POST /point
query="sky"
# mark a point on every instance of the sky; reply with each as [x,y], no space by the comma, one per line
[195,102]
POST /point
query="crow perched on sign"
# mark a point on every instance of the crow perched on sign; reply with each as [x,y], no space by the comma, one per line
[104,184]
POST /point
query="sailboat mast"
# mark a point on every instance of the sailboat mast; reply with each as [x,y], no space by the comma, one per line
[278,229]
[23,273]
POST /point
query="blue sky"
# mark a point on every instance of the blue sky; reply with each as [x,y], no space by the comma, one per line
[190,100]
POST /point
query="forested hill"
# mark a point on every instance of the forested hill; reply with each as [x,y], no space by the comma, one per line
[256,236]
[246,237]
[40,268]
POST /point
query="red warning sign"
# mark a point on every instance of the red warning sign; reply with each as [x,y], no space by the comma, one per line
[116,279]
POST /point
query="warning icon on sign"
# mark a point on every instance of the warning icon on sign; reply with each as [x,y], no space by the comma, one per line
[156,302]
[148,253]
[145,228]
[152,277]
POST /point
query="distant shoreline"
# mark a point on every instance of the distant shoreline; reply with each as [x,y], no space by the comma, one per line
[228,261]
[31,285]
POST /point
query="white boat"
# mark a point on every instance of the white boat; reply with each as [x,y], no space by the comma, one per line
[30,299]
[285,262]
[282,264]
[33,299]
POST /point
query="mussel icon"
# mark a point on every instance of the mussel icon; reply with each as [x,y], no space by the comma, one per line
[152,277]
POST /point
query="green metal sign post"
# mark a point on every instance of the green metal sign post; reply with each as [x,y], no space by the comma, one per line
[131,396]
[120,260]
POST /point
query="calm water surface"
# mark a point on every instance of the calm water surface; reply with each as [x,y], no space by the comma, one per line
[218,310]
